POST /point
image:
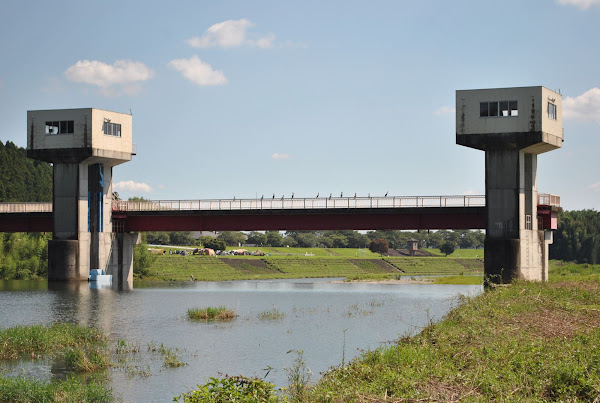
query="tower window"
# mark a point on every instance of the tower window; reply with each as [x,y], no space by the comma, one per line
[498,109]
[112,129]
[60,127]
[551,111]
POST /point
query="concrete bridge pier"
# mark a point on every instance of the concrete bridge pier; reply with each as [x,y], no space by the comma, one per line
[84,145]
[515,247]
[512,126]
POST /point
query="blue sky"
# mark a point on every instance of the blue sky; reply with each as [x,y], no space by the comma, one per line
[245,98]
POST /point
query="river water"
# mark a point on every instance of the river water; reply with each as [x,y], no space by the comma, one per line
[328,321]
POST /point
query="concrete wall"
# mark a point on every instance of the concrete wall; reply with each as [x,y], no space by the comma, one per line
[88,140]
[531,130]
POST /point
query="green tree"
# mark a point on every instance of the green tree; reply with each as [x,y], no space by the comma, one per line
[213,243]
[232,238]
[274,239]
[257,238]
[142,260]
[182,238]
[448,247]
[379,246]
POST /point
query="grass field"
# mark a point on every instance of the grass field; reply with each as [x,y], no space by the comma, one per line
[435,265]
[460,253]
[345,263]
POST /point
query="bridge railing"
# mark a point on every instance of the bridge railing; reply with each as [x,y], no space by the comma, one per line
[546,199]
[301,203]
[286,203]
[25,207]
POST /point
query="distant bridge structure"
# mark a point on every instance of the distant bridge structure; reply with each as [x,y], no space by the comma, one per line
[335,213]
[90,230]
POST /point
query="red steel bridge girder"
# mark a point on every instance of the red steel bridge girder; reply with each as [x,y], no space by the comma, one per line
[400,219]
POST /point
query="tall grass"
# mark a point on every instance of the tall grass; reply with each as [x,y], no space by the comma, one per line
[211,313]
[80,349]
[271,314]
[525,342]
[24,390]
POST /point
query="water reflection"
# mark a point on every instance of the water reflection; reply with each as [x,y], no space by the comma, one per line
[318,317]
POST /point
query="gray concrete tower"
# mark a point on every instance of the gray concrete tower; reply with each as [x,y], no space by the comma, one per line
[83,145]
[512,126]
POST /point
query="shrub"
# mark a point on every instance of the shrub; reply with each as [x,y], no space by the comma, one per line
[231,389]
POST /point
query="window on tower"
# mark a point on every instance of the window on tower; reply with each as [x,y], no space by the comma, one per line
[551,111]
[498,109]
[60,127]
[112,129]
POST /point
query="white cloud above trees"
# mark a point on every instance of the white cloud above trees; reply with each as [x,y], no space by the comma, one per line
[231,34]
[584,107]
[581,4]
[444,111]
[132,186]
[121,76]
[198,72]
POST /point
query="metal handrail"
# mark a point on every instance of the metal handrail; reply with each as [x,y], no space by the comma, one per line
[547,199]
[300,203]
[26,207]
[285,203]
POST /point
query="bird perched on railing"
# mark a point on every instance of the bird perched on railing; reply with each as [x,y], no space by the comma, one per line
[292,195]
[341,194]
[386,193]
[318,195]
[330,195]
[273,196]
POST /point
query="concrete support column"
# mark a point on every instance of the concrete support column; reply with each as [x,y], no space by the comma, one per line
[514,247]
[121,260]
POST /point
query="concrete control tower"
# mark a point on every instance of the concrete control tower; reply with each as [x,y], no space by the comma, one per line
[83,145]
[512,126]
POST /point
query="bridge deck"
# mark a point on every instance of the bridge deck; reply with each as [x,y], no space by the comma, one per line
[333,213]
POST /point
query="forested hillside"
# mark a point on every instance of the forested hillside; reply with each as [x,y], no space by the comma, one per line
[578,237]
[23,179]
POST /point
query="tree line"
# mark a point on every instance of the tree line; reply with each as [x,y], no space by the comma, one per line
[23,179]
[463,239]
[577,237]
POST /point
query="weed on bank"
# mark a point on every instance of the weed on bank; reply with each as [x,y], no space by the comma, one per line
[527,341]
[79,349]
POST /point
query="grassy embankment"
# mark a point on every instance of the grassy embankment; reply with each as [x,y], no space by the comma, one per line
[294,263]
[525,342]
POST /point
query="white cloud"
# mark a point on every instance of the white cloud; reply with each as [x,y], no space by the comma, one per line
[444,110]
[231,34]
[277,156]
[581,4]
[198,72]
[595,187]
[583,107]
[470,192]
[121,76]
[132,186]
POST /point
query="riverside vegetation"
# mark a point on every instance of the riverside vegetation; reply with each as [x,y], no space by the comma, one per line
[82,355]
[523,342]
